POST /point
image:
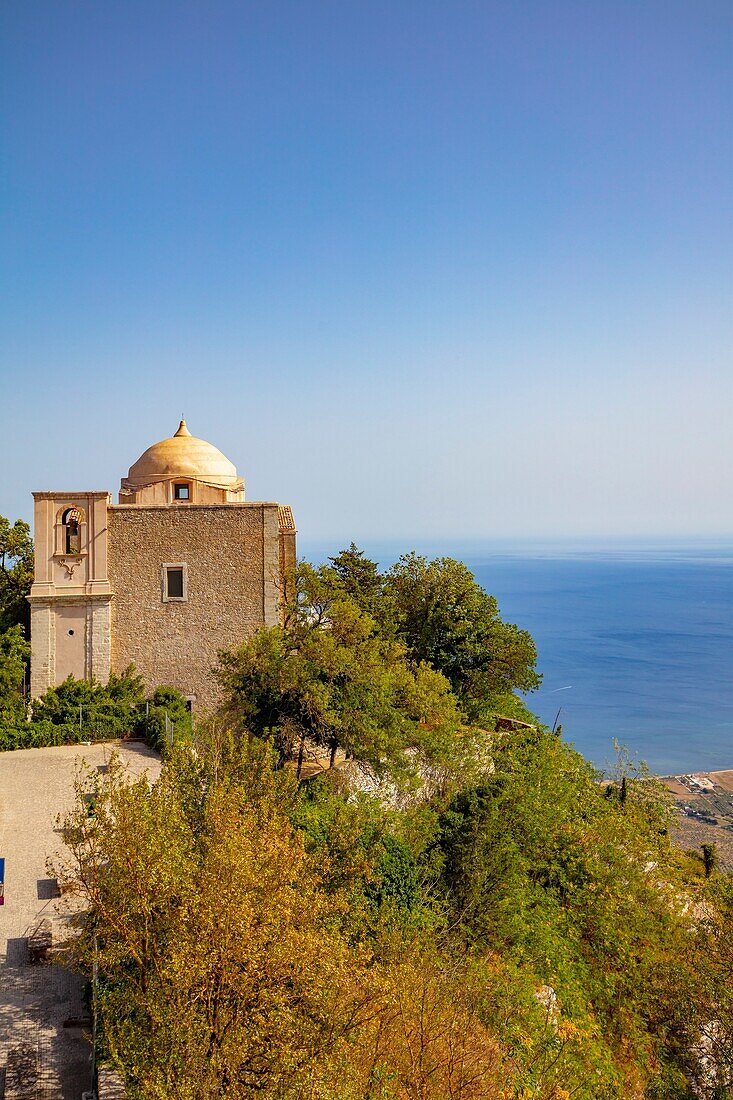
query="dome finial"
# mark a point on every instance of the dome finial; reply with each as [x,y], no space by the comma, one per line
[182,429]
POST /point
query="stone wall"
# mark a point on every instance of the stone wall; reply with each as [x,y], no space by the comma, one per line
[231,555]
[43,641]
[70,637]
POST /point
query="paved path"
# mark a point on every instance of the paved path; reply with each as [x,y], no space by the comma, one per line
[35,786]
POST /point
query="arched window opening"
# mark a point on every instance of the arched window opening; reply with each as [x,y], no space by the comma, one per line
[72,520]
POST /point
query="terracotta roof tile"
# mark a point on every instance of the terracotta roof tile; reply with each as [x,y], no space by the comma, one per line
[285,518]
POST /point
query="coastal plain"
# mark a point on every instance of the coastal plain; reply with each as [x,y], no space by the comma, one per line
[705,812]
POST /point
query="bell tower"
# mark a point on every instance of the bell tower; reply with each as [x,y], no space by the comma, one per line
[71,594]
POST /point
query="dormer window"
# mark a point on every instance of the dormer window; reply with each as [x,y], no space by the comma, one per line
[181,490]
[71,522]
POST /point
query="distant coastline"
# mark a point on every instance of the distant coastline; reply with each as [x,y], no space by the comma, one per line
[722,778]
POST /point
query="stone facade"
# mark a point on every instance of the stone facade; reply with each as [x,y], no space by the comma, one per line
[231,559]
[100,600]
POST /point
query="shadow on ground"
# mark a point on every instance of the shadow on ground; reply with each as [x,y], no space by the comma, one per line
[16,954]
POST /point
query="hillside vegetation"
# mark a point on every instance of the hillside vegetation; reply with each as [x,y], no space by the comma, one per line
[518,930]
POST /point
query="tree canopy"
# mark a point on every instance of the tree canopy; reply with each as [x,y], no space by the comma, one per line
[520,932]
[447,620]
[359,578]
[16,572]
[442,617]
[14,655]
[329,677]
[521,937]
[16,576]
[226,968]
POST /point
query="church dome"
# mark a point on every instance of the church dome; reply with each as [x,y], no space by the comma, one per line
[183,455]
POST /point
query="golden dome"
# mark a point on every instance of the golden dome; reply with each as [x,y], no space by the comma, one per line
[183,455]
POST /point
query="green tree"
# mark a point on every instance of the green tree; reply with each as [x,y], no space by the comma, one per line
[16,573]
[578,890]
[714,963]
[446,619]
[359,578]
[709,858]
[482,866]
[126,688]
[14,655]
[328,678]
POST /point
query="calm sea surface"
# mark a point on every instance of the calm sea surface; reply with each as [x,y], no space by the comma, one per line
[634,645]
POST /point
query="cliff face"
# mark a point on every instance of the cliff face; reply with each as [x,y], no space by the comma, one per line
[472,763]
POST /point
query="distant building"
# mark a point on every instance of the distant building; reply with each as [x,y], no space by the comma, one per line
[180,568]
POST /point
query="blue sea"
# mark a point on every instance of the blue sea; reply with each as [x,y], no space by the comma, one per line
[633,644]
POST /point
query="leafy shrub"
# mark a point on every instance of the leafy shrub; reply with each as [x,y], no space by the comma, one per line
[114,708]
[37,735]
[397,881]
[85,710]
[165,702]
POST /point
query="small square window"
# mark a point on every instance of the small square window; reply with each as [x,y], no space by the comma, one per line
[174,582]
[181,491]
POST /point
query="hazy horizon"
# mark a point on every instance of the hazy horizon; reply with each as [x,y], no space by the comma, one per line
[387,550]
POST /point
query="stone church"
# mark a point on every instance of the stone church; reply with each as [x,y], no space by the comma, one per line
[181,567]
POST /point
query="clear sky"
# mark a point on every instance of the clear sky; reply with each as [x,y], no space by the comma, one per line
[421,269]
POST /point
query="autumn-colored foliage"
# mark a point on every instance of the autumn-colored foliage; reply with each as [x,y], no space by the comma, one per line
[522,933]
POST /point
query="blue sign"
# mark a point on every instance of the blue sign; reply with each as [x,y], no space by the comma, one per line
[2,881]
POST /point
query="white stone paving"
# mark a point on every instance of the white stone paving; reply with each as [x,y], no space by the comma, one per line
[36,785]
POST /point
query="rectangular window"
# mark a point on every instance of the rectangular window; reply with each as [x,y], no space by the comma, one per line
[175,582]
[181,491]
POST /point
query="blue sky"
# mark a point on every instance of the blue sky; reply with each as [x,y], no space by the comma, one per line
[423,270]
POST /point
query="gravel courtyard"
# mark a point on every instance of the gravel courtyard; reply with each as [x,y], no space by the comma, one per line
[36,1001]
